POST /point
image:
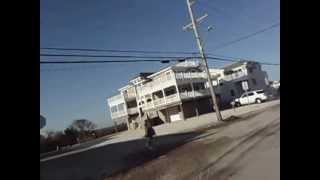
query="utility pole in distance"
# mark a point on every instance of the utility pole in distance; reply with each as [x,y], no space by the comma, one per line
[193,25]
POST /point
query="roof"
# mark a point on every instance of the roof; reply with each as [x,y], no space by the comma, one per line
[177,65]
[237,64]
[233,65]
[143,74]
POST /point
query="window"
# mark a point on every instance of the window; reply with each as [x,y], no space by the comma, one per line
[198,86]
[254,81]
[221,84]
[244,95]
[260,92]
[121,107]
[168,75]
[170,91]
[113,109]
[232,92]
[250,94]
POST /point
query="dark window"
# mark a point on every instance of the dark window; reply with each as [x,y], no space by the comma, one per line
[221,84]
[170,91]
[121,107]
[254,81]
[148,100]
[260,92]
[250,94]
[198,86]
[232,92]
[114,109]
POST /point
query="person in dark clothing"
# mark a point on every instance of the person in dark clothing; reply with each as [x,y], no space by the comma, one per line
[149,133]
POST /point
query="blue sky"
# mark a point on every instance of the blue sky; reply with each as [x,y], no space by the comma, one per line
[69,92]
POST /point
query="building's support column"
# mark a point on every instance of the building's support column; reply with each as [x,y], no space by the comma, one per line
[128,124]
[182,112]
[177,89]
[167,116]
[193,93]
[164,96]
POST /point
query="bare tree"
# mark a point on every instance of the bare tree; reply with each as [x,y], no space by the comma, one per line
[82,125]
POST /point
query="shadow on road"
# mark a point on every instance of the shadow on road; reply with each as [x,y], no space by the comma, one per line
[110,159]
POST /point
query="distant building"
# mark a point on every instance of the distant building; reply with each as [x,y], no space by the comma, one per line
[229,79]
[181,91]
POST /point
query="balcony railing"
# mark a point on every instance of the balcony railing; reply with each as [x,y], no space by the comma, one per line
[129,96]
[115,97]
[158,102]
[190,75]
[234,76]
[190,94]
[172,98]
[132,110]
[161,102]
[118,114]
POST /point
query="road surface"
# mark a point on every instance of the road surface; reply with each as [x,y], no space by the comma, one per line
[245,150]
[127,150]
[165,129]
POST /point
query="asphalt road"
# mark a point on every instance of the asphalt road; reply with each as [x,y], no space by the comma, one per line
[262,162]
[246,149]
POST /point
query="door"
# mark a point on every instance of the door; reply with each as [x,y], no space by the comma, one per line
[244,99]
[251,98]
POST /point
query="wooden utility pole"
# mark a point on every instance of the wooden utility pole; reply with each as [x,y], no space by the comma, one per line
[193,24]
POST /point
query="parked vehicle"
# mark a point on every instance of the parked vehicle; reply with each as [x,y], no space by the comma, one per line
[251,97]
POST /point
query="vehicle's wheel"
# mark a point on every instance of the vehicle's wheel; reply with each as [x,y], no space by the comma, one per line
[238,104]
[258,101]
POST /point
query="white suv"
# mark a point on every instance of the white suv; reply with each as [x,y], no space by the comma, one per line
[250,97]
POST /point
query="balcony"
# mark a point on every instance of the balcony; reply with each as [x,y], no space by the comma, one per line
[161,102]
[172,98]
[119,114]
[192,94]
[132,110]
[190,75]
[235,76]
[129,96]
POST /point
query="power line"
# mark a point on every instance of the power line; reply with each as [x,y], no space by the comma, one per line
[132,51]
[246,36]
[108,56]
[110,61]
[117,51]
[143,60]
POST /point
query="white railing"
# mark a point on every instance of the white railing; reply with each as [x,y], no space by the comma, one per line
[152,87]
[186,94]
[161,102]
[115,97]
[190,75]
[172,98]
[234,76]
[129,95]
[190,94]
[118,114]
[158,102]
[133,110]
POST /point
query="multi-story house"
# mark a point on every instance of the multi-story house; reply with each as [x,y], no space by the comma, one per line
[229,79]
[181,91]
